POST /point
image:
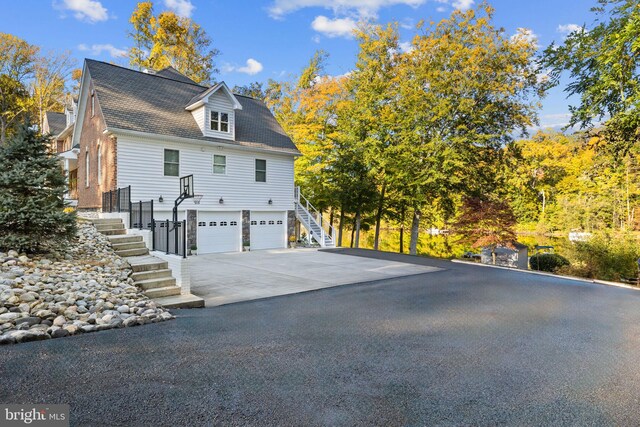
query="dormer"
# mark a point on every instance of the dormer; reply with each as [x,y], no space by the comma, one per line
[214,111]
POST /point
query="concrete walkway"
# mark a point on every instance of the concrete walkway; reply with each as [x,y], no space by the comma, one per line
[234,277]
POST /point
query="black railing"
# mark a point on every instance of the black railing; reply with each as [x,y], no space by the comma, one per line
[118,200]
[170,237]
[141,215]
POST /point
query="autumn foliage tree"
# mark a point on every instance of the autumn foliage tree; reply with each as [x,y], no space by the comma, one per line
[31,82]
[167,39]
[464,89]
[486,222]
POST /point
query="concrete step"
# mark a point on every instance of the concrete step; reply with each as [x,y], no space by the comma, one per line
[163,292]
[180,301]
[113,232]
[147,263]
[113,226]
[161,282]
[100,221]
[129,245]
[133,252]
[152,274]
[128,238]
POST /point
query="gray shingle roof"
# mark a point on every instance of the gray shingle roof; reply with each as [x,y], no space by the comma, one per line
[56,121]
[154,103]
[172,73]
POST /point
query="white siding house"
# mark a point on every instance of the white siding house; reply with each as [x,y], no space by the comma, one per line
[166,126]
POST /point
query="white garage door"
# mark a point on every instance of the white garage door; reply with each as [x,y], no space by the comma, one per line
[219,232]
[268,230]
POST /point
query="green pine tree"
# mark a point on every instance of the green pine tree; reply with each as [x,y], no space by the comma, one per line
[32,187]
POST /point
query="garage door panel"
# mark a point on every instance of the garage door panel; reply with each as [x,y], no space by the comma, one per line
[218,232]
[268,230]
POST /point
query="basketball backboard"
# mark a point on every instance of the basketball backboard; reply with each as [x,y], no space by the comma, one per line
[186,186]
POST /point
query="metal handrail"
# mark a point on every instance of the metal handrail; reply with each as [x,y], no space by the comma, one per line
[309,207]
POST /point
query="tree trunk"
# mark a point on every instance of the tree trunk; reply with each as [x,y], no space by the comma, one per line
[353,230]
[357,227]
[402,230]
[376,238]
[544,201]
[331,224]
[415,231]
[493,255]
[3,131]
[340,227]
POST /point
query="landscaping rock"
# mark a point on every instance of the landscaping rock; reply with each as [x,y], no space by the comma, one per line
[85,289]
[29,320]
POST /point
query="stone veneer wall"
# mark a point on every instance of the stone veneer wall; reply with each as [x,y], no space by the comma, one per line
[291,225]
[192,229]
[246,226]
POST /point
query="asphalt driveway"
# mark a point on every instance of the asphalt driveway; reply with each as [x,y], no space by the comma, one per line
[244,276]
[465,345]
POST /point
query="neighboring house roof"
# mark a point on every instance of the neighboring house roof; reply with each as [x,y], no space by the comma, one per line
[56,122]
[155,104]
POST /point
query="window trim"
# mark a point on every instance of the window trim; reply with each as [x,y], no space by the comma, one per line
[164,162]
[99,165]
[255,170]
[93,102]
[219,121]
[213,164]
[87,181]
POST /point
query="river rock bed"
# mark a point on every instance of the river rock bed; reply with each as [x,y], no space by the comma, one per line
[85,289]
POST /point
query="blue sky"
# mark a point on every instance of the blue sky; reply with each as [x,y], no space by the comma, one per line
[259,40]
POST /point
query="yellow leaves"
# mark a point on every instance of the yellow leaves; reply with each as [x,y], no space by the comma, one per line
[170,40]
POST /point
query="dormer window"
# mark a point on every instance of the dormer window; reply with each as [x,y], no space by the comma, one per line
[219,121]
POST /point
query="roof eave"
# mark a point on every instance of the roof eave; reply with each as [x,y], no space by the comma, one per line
[65,132]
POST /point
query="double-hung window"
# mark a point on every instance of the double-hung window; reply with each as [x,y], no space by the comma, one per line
[261,170]
[219,164]
[171,162]
[219,121]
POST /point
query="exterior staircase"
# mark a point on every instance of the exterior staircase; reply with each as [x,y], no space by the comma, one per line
[149,273]
[319,229]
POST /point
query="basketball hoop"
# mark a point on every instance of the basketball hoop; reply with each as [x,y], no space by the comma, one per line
[197,198]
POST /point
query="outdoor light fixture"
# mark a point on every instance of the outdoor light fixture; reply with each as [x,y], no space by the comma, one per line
[160,199]
[221,201]
[270,201]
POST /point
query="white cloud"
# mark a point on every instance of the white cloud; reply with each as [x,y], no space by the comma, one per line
[568,28]
[180,7]
[316,39]
[97,49]
[408,24]
[405,46]
[462,4]
[526,35]
[338,27]
[553,121]
[85,10]
[252,67]
[363,8]
[441,9]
